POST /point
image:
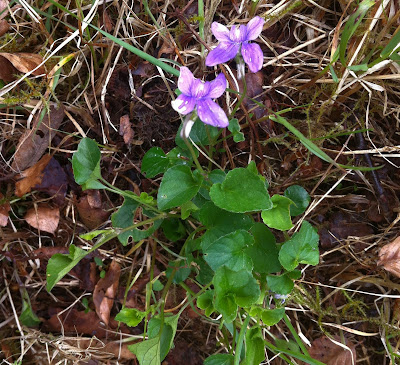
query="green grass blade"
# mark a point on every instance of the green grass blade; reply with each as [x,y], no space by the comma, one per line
[314,148]
[351,26]
[138,52]
[392,46]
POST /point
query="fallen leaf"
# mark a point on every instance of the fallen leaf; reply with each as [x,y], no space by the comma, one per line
[143,69]
[75,321]
[389,257]
[4,209]
[91,210]
[25,62]
[4,27]
[125,129]
[326,351]
[105,292]
[31,176]
[34,142]
[43,218]
[7,70]
[54,182]
[254,82]
[108,24]
[342,225]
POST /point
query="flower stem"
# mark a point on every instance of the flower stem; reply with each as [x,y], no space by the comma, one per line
[241,98]
[185,134]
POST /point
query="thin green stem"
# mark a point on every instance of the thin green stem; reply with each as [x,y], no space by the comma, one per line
[295,335]
[241,98]
[240,340]
[201,24]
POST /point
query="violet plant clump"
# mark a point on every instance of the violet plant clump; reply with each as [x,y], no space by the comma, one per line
[225,249]
[235,42]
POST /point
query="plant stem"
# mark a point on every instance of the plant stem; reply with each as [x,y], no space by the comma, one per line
[201,24]
[240,340]
[241,98]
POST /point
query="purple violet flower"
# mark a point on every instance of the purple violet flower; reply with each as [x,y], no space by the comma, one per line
[235,40]
[196,93]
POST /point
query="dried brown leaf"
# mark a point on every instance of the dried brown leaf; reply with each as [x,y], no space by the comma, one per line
[43,218]
[389,257]
[33,143]
[91,210]
[125,129]
[31,176]
[4,27]
[108,24]
[105,292]
[7,70]
[54,182]
[4,209]
[326,351]
[25,62]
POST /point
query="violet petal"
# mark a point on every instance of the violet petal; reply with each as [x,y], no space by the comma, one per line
[254,28]
[220,32]
[199,89]
[222,53]
[185,80]
[217,86]
[211,113]
[253,56]
[184,104]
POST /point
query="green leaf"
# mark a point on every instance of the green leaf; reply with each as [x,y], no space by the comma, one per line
[270,317]
[205,273]
[90,235]
[234,128]
[173,229]
[154,162]
[168,332]
[123,218]
[264,252]
[233,288]
[278,216]
[59,265]
[187,208]
[130,316]
[302,248]
[230,250]
[217,176]
[206,302]
[219,359]
[148,351]
[177,187]
[255,353]
[242,191]
[86,161]
[280,284]
[93,184]
[213,217]
[220,222]
[158,285]
[299,196]
[28,317]
[182,271]
[362,67]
